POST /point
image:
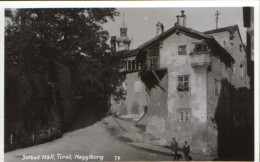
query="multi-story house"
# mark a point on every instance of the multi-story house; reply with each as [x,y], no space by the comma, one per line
[191,79]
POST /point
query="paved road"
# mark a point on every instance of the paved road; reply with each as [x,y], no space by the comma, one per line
[87,144]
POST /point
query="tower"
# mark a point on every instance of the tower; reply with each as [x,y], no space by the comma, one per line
[123,42]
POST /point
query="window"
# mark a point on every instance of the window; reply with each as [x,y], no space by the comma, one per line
[182,50]
[153,63]
[153,57]
[184,115]
[242,70]
[183,83]
[137,86]
[217,87]
[133,65]
[200,47]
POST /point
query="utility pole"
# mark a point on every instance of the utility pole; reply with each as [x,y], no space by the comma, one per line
[217,19]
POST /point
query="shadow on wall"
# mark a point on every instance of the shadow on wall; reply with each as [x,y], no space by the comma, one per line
[151,79]
[234,117]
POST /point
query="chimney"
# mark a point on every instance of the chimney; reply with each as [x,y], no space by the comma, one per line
[183,18]
[159,28]
[162,28]
[113,44]
[178,20]
[182,12]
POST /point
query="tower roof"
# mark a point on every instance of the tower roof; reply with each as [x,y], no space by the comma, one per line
[123,23]
[123,34]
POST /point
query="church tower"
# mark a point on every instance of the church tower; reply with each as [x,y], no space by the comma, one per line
[123,42]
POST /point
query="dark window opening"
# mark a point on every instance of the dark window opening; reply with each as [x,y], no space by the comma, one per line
[200,47]
[184,115]
[182,50]
[183,83]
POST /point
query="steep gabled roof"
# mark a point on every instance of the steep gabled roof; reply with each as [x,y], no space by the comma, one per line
[230,29]
[167,33]
[213,44]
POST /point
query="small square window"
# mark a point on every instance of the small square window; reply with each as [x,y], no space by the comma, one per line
[183,83]
[182,50]
[184,115]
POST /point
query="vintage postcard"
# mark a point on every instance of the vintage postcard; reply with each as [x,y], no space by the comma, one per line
[132,81]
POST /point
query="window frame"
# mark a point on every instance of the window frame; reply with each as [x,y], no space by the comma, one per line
[182,82]
[201,47]
[184,115]
[132,64]
[181,51]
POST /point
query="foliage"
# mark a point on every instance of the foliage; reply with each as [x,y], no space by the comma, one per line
[58,60]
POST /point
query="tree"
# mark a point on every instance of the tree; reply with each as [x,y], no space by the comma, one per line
[61,63]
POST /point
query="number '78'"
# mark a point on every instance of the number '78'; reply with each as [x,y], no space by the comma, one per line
[117,158]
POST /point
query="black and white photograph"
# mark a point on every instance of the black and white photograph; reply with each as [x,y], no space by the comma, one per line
[129,83]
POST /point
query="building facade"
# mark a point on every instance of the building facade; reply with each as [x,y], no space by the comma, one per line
[191,79]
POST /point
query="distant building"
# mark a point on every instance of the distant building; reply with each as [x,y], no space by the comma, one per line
[133,86]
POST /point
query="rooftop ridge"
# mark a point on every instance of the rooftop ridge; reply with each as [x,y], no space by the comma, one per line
[227,28]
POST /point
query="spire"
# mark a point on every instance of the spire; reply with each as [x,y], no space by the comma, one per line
[123,28]
[123,41]
[123,23]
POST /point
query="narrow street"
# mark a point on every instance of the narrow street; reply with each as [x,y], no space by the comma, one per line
[91,143]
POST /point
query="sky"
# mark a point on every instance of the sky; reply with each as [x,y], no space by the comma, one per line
[141,22]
